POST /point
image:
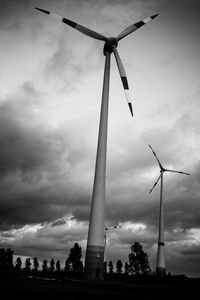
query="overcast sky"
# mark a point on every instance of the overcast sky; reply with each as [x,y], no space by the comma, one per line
[50,94]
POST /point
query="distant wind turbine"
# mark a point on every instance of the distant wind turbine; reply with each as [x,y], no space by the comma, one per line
[160,265]
[105,237]
[94,260]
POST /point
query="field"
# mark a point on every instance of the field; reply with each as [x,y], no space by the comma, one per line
[15,287]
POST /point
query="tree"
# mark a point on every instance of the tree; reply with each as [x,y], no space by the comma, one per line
[138,260]
[67,268]
[58,266]
[126,268]
[2,258]
[44,266]
[18,264]
[74,259]
[119,266]
[52,265]
[110,267]
[35,264]
[105,267]
[9,255]
[27,264]
[6,259]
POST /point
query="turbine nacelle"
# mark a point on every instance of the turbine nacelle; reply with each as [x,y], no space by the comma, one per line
[109,44]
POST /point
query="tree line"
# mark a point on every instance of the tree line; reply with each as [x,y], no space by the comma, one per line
[138,264]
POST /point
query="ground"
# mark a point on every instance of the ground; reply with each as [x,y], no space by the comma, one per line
[15,287]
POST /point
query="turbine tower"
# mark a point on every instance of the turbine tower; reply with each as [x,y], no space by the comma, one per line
[94,260]
[161,265]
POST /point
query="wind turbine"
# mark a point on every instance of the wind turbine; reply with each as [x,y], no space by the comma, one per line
[160,265]
[94,260]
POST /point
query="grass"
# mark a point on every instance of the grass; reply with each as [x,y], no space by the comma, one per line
[29,287]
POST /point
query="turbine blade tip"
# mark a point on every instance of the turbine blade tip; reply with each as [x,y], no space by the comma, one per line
[130,107]
[43,10]
[151,148]
[154,16]
[132,114]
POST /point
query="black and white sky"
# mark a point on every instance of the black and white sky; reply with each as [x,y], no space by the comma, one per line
[50,94]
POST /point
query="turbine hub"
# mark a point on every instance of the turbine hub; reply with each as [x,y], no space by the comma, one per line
[108,47]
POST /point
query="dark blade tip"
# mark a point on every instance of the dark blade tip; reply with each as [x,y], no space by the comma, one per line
[184,173]
[154,16]
[130,107]
[42,10]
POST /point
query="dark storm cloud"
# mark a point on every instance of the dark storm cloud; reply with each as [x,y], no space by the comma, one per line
[17,19]
[192,251]
[183,208]
[182,256]
[37,163]
[9,8]
[22,145]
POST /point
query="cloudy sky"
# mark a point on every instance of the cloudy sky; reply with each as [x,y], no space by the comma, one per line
[50,94]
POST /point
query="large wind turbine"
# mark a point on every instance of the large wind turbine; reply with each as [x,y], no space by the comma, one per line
[160,265]
[94,260]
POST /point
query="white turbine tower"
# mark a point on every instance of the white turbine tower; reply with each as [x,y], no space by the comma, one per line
[160,265]
[94,260]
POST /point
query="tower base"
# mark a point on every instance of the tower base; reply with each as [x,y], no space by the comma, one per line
[160,271]
[94,263]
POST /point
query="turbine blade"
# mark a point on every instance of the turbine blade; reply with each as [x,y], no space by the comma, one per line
[123,78]
[160,165]
[155,184]
[134,27]
[80,28]
[174,171]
